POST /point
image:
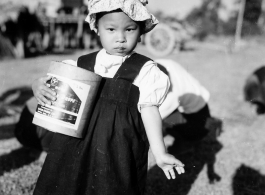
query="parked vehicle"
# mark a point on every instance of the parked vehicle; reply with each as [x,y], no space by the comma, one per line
[168,37]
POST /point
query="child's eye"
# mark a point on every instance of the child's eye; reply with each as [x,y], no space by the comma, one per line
[110,29]
[130,29]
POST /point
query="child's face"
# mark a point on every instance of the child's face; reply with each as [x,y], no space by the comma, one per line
[118,33]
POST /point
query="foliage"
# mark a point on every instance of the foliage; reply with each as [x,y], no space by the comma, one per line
[251,16]
[207,22]
[205,18]
[252,11]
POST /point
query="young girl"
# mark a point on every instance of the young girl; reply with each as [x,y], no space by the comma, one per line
[112,157]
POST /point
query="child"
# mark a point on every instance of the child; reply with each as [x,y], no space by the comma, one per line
[112,157]
[254,89]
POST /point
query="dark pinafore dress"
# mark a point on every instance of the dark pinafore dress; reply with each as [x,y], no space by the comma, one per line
[112,158]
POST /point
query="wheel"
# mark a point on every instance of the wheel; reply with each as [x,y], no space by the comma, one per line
[160,41]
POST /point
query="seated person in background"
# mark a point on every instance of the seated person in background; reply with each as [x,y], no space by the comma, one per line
[27,133]
[254,89]
[184,111]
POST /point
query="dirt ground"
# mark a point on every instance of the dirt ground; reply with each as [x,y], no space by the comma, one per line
[233,164]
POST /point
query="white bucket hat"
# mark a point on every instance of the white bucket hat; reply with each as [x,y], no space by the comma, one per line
[135,9]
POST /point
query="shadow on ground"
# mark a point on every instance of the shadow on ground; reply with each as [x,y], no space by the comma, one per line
[7,131]
[16,96]
[246,180]
[195,155]
[11,105]
[17,158]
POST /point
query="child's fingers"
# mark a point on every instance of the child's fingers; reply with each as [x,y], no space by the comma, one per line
[48,93]
[167,174]
[178,163]
[42,100]
[172,173]
[180,170]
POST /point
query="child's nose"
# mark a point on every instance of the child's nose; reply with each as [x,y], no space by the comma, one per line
[121,37]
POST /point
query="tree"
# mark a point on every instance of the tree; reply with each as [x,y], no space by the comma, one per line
[252,18]
[252,11]
[206,19]
[261,21]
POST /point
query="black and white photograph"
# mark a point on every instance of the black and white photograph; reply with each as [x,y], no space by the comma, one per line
[132,97]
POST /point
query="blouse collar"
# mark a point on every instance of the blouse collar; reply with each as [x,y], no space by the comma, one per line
[105,61]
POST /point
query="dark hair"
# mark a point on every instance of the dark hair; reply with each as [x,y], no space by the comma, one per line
[142,26]
[101,14]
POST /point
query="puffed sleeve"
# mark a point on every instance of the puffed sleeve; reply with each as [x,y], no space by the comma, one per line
[153,85]
[70,62]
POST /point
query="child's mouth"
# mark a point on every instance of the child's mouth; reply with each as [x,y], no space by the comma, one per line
[120,49]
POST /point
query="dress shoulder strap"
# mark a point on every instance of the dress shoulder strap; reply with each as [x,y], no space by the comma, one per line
[87,61]
[131,67]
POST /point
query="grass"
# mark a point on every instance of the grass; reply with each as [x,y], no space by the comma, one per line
[231,165]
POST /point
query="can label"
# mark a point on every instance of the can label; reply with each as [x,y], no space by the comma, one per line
[67,110]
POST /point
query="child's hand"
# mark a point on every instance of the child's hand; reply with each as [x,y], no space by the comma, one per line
[42,92]
[167,163]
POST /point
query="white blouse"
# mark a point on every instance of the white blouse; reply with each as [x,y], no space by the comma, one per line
[186,93]
[153,84]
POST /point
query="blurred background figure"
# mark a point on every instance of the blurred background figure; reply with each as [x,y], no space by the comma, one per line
[28,134]
[24,31]
[185,110]
[30,33]
[254,89]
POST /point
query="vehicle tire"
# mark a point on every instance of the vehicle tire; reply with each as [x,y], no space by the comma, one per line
[160,41]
